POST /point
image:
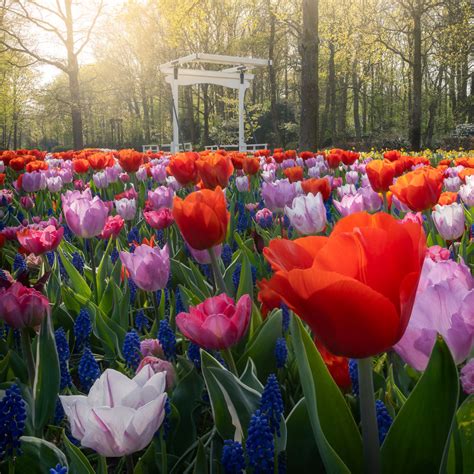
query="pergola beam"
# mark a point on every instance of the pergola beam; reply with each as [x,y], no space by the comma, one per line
[218,59]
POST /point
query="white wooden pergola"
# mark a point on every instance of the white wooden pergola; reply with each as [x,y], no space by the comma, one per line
[235,75]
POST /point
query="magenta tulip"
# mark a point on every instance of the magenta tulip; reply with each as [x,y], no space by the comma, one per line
[217,323]
[22,307]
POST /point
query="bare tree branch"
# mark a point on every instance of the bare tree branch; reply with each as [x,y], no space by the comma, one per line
[89,31]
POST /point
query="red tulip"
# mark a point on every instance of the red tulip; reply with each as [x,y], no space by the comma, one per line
[380,174]
[183,167]
[356,288]
[215,170]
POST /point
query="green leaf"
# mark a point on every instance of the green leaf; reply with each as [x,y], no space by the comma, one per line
[38,456]
[232,402]
[103,270]
[245,283]
[78,284]
[261,348]
[200,466]
[147,464]
[249,376]
[301,449]
[47,376]
[335,431]
[417,438]
[79,464]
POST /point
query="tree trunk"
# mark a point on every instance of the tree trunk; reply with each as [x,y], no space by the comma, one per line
[205,135]
[73,76]
[332,93]
[272,79]
[146,114]
[355,97]
[309,77]
[415,131]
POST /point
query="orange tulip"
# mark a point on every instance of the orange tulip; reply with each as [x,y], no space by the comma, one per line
[463,174]
[81,165]
[130,160]
[238,159]
[215,170]
[447,198]
[392,155]
[466,161]
[98,161]
[267,297]
[279,156]
[419,189]
[334,160]
[251,165]
[380,174]
[359,305]
[17,164]
[295,173]
[202,218]
[183,167]
[36,166]
[317,185]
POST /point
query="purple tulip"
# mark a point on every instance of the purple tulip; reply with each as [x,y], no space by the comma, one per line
[466,191]
[84,215]
[126,208]
[100,180]
[452,184]
[141,174]
[202,256]
[372,201]
[113,173]
[55,184]
[149,267]
[158,173]
[349,204]
[279,194]
[449,220]
[348,189]
[162,196]
[444,305]
[242,184]
[120,416]
[307,214]
[33,182]
[352,177]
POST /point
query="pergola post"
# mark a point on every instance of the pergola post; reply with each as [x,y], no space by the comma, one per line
[175,95]
[242,88]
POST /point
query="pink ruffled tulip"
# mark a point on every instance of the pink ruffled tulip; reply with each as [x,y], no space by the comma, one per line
[113,226]
[438,253]
[444,305]
[85,216]
[22,307]
[160,219]
[216,323]
[160,365]
[120,416]
[149,267]
[39,241]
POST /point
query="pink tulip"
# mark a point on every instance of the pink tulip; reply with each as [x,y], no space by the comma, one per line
[22,307]
[217,323]
[120,416]
[149,267]
[39,241]
[444,305]
[85,216]
[26,202]
[126,208]
[349,204]
[161,219]
[160,365]
[113,226]
[437,253]
[160,197]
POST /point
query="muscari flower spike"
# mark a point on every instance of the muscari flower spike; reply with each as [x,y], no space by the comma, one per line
[89,370]
[50,258]
[114,255]
[62,347]
[131,349]
[19,263]
[232,459]
[384,420]
[82,329]
[133,290]
[141,322]
[285,318]
[12,421]
[167,339]
[281,352]
[354,376]
[194,355]
[271,403]
[260,444]
[78,262]
[226,255]
[58,469]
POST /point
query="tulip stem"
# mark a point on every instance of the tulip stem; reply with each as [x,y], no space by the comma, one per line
[229,359]
[94,272]
[219,280]
[28,355]
[368,416]
[164,455]
[130,465]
